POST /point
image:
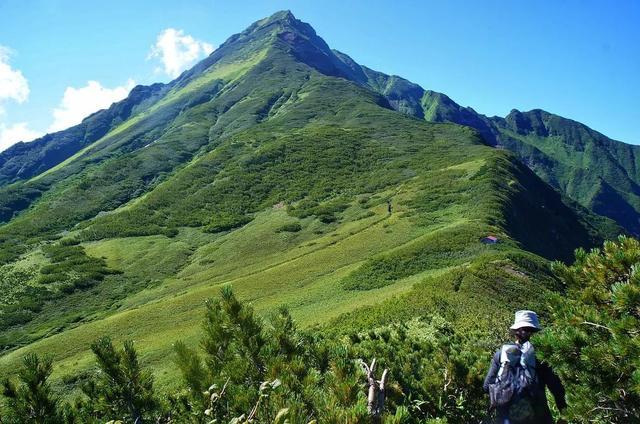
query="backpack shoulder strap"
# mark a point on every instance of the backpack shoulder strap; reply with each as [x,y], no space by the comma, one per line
[509,353]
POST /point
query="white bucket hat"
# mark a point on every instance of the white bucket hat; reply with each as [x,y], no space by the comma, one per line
[526,319]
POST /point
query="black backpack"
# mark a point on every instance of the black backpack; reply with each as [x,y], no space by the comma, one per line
[513,382]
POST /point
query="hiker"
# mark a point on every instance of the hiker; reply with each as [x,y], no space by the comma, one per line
[516,380]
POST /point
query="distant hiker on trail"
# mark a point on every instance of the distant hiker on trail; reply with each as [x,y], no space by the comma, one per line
[516,380]
[389,206]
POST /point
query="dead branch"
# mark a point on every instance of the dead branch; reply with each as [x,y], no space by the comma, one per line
[377,390]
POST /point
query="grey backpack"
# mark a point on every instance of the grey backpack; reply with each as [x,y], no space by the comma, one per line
[514,380]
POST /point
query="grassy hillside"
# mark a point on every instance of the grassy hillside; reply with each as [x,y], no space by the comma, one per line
[310,270]
[272,167]
[599,173]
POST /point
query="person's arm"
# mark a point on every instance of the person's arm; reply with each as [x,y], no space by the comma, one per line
[493,372]
[552,381]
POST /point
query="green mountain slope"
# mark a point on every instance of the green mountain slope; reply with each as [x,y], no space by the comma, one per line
[599,173]
[25,160]
[282,167]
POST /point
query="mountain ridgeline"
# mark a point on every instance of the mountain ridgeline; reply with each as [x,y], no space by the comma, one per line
[599,173]
[288,170]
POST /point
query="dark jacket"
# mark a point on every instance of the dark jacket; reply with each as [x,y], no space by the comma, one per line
[534,409]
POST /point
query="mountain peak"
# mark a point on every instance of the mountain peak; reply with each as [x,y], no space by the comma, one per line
[283,20]
[531,122]
[299,39]
[281,15]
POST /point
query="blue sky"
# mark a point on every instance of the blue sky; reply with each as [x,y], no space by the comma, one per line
[60,60]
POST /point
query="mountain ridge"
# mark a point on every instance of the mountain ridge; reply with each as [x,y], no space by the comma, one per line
[51,149]
[565,153]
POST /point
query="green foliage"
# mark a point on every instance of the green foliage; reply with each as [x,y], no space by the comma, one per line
[593,339]
[30,400]
[26,293]
[252,370]
[122,390]
[436,371]
[255,370]
[438,250]
[325,212]
[462,296]
[19,300]
[15,198]
[225,222]
[290,227]
[128,223]
[70,268]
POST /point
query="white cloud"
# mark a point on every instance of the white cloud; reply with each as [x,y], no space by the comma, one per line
[13,85]
[178,51]
[78,103]
[15,133]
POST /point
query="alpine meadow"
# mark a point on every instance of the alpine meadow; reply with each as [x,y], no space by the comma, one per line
[232,246]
